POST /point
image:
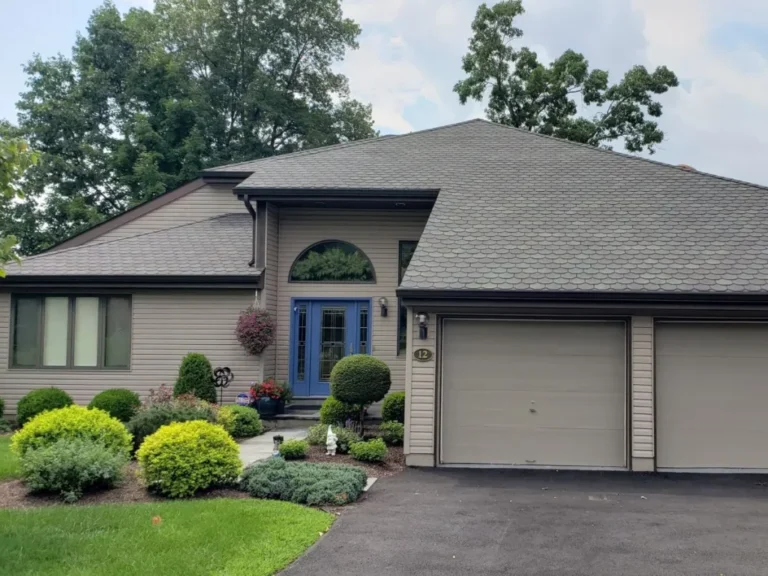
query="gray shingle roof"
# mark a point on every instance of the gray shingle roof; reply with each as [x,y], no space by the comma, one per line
[216,247]
[523,212]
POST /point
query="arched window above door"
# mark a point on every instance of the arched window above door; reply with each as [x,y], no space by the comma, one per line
[332,261]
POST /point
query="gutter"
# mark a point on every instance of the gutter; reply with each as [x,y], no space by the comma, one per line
[89,283]
[252,212]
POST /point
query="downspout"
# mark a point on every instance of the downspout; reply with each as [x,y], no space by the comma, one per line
[252,212]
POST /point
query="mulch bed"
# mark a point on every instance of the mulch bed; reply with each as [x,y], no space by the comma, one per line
[393,464]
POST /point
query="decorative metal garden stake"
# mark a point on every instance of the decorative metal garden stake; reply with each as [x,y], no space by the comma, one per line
[330,443]
[221,379]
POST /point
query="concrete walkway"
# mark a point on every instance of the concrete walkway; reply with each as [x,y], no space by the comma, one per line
[260,447]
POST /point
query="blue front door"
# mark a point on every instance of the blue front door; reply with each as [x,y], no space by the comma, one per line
[322,333]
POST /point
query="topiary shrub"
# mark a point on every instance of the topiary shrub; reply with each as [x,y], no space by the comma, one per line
[317,435]
[185,457]
[392,433]
[294,449]
[370,451]
[150,419]
[255,330]
[69,467]
[332,411]
[304,483]
[40,400]
[240,421]
[360,379]
[393,408]
[195,377]
[117,402]
[72,423]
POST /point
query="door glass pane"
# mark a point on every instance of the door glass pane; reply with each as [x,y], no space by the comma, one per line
[117,337]
[363,329]
[56,320]
[86,331]
[301,369]
[332,338]
[26,337]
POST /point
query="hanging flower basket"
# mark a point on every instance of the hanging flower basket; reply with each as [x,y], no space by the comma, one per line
[255,330]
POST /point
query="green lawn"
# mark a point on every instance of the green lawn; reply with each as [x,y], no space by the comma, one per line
[196,537]
[9,465]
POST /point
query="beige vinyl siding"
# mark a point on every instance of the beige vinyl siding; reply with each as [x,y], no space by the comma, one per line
[420,394]
[202,204]
[166,326]
[375,232]
[269,293]
[642,409]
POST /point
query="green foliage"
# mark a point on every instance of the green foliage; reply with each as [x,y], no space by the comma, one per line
[40,400]
[304,483]
[392,433]
[150,419]
[71,423]
[195,377]
[9,462]
[530,95]
[370,451]
[360,379]
[183,458]
[333,411]
[393,408]
[69,467]
[117,402]
[240,421]
[5,426]
[333,262]
[2,407]
[294,449]
[317,435]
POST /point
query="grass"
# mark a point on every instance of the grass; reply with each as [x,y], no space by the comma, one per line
[9,465]
[195,537]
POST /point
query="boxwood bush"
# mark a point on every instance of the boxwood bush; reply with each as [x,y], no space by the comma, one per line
[195,377]
[72,423]
[150,419]
[294,449]
[69,467]
[335,412]
[117,402]
[183,458]
[240,421]
[370,451]
[393,408]
[40,400]
[392,433]
[360,379]
[317,435]
[304,483]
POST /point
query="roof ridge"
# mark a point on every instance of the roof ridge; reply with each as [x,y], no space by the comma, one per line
[627,155]
[93,244]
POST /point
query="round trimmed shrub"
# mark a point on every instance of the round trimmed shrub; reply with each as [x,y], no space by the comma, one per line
[40,400]
[240,421]
[72,423]
[195,377]
[317,435]
[185,457]
[149,420]
[370,451]
[294,449]
[393,408]
[336,412]
[117,402]
[360,379]
[392,433]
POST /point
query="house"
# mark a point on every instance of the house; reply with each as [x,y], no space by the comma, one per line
[542,303]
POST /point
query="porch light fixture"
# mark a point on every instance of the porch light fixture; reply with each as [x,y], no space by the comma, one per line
[423,323]
[383,303]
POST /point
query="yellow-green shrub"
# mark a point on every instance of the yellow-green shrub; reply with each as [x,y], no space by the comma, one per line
[185,457]
[72,422]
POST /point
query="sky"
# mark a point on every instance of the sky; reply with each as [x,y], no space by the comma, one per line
[410,57]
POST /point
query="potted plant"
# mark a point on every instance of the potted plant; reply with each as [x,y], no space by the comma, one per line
[269,397]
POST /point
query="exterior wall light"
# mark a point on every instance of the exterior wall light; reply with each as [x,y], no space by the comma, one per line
[423,324]
[383,303]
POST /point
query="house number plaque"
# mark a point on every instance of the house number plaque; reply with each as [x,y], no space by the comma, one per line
[422,355]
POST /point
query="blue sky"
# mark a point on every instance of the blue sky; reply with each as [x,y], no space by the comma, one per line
[410,56]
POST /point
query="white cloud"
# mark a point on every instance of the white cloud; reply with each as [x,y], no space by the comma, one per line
[372,11]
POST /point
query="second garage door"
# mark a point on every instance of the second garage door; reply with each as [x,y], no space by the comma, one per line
[533,393]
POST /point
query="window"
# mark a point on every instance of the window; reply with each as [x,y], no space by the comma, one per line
[407,248]
[332,261]
[71,332]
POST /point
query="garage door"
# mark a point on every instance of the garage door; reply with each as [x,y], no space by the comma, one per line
[533,393]
[711,396]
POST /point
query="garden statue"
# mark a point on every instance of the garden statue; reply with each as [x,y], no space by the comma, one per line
[330,443]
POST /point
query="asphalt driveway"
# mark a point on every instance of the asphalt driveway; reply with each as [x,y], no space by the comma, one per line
[474,522]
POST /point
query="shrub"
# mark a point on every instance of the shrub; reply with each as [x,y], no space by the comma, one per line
[149,420]
[39,401]
[304,483]
[240,421]
[195,377]
[5,426]
[2,407]
[333,411]
[72,423]
[392,433]
[293,449]
[393,408]
[360,379]
[317,435]
[370,451]
[70,467]
[186,457]
[118,403]
[255,330]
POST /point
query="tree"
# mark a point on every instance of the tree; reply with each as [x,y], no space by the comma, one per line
[148,99]
[526,94]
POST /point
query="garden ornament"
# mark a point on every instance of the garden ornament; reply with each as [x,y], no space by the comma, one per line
[330,443]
